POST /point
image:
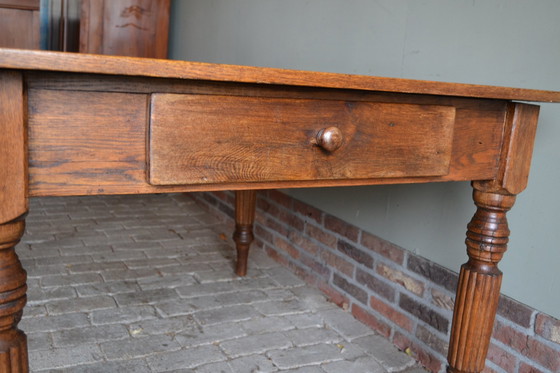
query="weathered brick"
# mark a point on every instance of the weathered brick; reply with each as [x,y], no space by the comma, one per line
[515,311]
[424,313]
[341,227]
[337,263]
[398,277]
[375,284]
[391,313]
[442,300]
[533,349]
[433,272]
[353,252]
[349,288]
[502,358]
[385,248]
[419,352]
[286,247]
[384,352]
[370,320]
[305,243]
[263,234]
[526,368]
[280,198]
[308,211]
[548,327]
[432,340]
[321,235]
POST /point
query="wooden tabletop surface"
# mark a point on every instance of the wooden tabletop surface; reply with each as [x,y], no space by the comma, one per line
[114,65]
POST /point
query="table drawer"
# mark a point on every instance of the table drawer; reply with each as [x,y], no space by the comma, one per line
[212,139]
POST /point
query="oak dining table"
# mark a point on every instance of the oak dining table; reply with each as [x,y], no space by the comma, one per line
[79,124]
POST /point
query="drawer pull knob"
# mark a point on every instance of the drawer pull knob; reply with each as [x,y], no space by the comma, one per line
[330,138]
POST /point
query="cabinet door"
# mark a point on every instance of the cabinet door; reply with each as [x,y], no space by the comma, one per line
[125,27]
[19,24]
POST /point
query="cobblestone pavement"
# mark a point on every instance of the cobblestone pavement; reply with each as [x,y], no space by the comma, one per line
[146,284]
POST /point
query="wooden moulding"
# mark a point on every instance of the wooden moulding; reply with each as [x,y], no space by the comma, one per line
[89,135]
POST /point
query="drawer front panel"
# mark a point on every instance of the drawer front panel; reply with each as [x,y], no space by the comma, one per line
[212,139]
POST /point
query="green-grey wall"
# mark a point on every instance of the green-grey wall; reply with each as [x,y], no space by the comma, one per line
[496,42]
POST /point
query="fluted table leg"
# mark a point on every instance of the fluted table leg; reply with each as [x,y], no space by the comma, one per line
[245,201]
[479,283]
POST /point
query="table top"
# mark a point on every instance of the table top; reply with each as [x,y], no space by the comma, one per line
[130,66]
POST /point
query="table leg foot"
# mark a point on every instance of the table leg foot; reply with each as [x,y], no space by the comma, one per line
[13,342]
[245,202]
[478,290]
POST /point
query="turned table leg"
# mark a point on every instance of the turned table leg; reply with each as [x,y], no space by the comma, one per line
[13,342]
[245,201]
[478,291]
[13,207]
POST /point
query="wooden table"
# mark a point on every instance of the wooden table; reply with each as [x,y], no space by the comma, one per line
[75,124]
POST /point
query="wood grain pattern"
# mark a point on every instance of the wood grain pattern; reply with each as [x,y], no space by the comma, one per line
[86,139]
[130,66]
[475,147]
[13,207]
[13,147]
[201,139]
[19,26]
[125,27]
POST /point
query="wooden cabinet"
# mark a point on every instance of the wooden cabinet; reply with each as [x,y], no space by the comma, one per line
[137,28]
[19,24]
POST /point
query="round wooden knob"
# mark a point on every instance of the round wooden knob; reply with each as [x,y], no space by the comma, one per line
[330,138]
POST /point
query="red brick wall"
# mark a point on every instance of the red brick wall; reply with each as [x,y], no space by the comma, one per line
[402,296]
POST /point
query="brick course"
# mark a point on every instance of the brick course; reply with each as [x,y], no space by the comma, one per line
[402,296]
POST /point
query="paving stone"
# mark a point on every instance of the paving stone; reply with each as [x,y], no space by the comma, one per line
[226,314]
[169,326]
[305,320]
[221,367]
[385,353]
[38,295]
[345,324]
[39,341]
[360,365]
[268,324]
[122,315]
[163,282]
[139,347]
[70,280]
[301,356]
[312,369]
[64,357]
[89,335]
[252,363]
[54,323]
[107,288]
[210,334]
[145,297]
[311,336]
[126,366]
[280,308]
[154,315]
[255,344]
[186,358]
[79,304]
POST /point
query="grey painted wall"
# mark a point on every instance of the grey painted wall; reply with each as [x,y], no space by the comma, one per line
[497,42]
